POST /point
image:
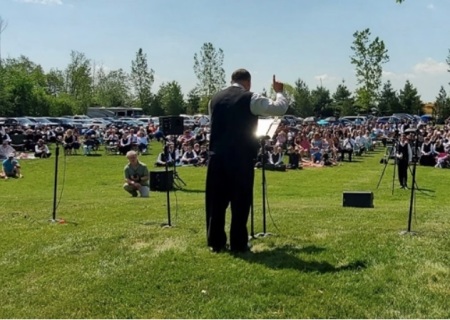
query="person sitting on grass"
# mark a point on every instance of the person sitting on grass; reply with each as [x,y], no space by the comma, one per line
[136,176]
[10,168]
[163,159]
[189,156]
[294,158]
[41,150]
[5,150]
[203,156]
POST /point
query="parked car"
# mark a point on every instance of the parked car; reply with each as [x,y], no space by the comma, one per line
[66,123]
[355,119]
[290,119]
[20,121]
[388,119]
[43,122]
[405,116]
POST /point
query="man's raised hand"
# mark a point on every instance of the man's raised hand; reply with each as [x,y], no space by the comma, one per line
[277,86]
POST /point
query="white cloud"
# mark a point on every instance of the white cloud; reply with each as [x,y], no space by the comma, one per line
[430,6]
[389,75]
[430,66]
[427,76]
[43,2]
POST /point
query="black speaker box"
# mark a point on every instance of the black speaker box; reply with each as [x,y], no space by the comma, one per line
[159,181]
[172,125]
[361,199]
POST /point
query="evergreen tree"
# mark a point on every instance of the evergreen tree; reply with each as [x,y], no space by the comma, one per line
[441,109]
[302,99]
[410,100]
[142,79]
[342,101]
[388,102]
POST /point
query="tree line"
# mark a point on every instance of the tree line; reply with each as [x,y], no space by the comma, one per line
[26,89]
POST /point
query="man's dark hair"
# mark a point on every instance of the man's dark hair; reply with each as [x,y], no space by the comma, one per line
[240,75]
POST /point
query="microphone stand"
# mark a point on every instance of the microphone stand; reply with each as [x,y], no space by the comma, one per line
[55,183]
[413,186]
[264,184]
[166,156]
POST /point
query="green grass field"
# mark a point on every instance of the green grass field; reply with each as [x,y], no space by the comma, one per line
[112,258]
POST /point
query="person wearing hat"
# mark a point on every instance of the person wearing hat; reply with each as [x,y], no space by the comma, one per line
[41,150]
[10,168]
[5,150]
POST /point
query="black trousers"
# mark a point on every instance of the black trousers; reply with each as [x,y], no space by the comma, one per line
[229,180]
[402,172]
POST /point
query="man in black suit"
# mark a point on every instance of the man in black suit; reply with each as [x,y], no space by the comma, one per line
[233,146]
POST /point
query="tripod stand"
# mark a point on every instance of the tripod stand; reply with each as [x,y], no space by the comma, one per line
[178,183]
[392,155]
[386,162]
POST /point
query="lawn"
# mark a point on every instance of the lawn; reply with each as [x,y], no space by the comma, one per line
[112,259]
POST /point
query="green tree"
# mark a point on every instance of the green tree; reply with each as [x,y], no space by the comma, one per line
[209,71]
[410,100]
[368,57]
[321,102]
[112,88]
[24,88]
[193,102]
[55,82]
[171,98]
[342,101]
[388,102]
[142,79]
[78,81]
[441,109]
[302,99]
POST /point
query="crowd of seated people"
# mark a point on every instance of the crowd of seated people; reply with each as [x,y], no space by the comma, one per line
[290,148]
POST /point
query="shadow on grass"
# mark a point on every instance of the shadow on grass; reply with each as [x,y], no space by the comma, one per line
[285,258]
[191,190]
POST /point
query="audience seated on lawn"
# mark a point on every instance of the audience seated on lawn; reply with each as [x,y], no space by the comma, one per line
[41,150]
[189,156]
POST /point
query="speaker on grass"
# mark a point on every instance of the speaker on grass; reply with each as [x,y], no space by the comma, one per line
[172,125]
[361,199]
[159,182]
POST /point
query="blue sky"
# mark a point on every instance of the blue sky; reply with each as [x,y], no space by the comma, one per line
[307,39]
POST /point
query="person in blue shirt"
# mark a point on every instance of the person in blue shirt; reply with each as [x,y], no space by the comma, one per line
[10,168]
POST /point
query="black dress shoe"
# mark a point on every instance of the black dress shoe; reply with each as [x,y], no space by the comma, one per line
[246,248]
[218,249]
